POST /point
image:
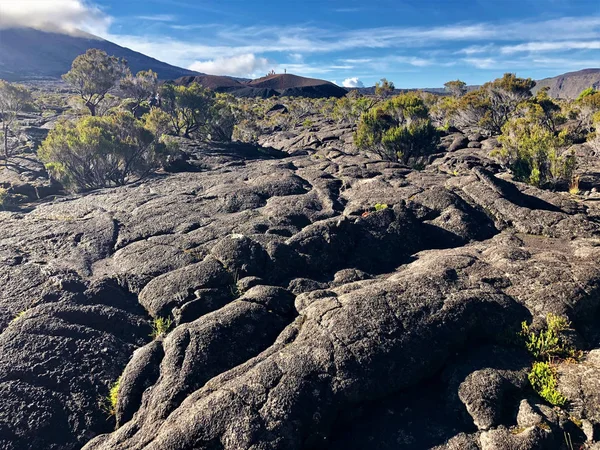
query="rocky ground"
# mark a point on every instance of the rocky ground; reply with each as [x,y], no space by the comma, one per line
[303,317]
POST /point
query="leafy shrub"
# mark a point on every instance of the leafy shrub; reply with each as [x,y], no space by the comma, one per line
[398,130]
[351,107]
[534,152]
[381,206]
[488,108]
[161,326]
[543,380]
[97,152]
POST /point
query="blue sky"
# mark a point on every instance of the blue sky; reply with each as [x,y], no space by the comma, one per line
[415,43]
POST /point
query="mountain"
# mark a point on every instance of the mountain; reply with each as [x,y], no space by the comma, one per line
[286,85]
[569,85]
[27,53]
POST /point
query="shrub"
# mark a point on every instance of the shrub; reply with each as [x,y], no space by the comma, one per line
[543,380]
[189,108]
[491,106]
[160,326]
[97,152]
[535,154]
[398,130]
[222,119]
[381,206]
[351,107]
[139,87]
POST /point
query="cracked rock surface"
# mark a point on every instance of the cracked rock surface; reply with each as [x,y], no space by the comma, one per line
[302,317]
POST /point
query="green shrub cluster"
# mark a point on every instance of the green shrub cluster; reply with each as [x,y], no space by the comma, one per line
[532,146]
[398,130]
[547,346]
[96,152]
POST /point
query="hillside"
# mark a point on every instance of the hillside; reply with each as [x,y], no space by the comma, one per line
[569,85]
[286,85]
[26,53]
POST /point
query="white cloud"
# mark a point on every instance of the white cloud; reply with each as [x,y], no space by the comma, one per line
[352,83]
[240,66]
[551,46]
[158,18]
[55,15]
[482,63]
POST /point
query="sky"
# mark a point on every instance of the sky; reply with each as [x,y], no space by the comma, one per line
[414,43]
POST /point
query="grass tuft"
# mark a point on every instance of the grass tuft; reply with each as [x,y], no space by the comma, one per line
[161,326]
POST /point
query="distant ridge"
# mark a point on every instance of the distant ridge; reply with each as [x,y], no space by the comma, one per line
[286,85]
[29,54]
[569,85]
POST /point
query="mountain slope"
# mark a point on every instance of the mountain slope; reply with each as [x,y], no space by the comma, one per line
[286,85]
[569,85]
[26,53]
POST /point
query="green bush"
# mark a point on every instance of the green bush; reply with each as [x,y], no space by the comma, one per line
[488,108]
[97,152]
[534,152]
[543,380]
[398,130]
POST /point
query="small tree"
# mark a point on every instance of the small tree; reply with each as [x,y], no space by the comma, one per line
[97,152]
[398,130]
[139,87]
[457,88]
[93,75]
[384,88]
[189,108]
[13,99]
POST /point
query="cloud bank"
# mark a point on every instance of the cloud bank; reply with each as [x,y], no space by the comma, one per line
[67,16]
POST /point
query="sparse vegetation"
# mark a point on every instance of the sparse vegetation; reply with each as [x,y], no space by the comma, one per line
[548,346]
[13,100]
[548,343]
[161,326]
[380,206]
